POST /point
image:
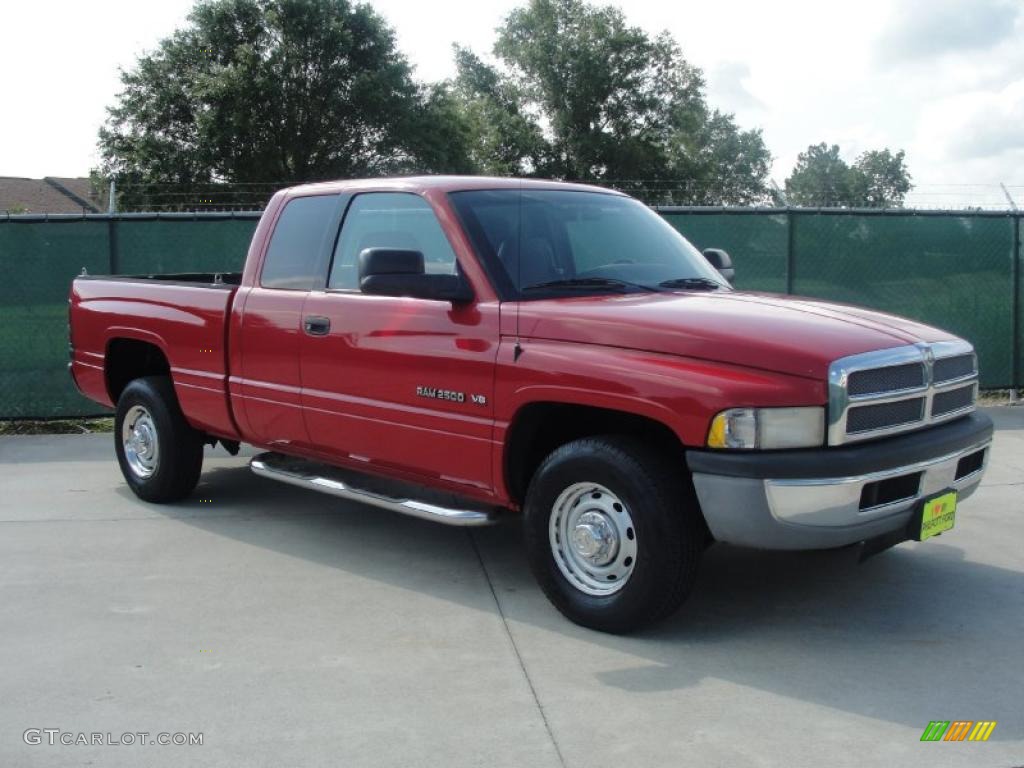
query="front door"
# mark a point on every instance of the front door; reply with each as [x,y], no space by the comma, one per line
[399,383]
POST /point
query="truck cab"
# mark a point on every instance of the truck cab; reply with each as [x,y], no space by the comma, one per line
[461,348]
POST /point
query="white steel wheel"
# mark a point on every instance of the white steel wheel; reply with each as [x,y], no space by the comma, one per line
[139,438]
[593,539]
[613,560]
[160,455]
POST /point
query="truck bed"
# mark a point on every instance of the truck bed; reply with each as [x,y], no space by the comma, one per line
[185,316]
[207,279]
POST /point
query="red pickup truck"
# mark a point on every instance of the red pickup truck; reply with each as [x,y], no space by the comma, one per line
[454,348]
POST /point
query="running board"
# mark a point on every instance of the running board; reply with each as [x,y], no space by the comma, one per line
[432,505]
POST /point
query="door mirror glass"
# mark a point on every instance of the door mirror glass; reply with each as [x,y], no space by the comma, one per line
[390,261]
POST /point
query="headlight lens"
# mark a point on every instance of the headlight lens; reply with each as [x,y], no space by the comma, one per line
[768,428]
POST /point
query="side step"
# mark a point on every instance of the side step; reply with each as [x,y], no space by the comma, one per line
[431,505]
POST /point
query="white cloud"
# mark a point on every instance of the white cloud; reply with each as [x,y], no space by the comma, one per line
[926,29]
[975,125]
[729,80]
[60,64]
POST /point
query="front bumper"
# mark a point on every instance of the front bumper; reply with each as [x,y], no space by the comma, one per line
[831,497]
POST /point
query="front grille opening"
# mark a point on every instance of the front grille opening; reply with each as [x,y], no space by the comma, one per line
[954,400]
[890,490]
[968,465]
[891,379]
[866,418]
[949,368]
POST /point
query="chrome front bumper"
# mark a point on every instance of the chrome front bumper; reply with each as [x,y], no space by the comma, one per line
[836,502]
[815,512]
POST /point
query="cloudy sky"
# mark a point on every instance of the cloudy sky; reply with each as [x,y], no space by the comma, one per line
[942,79]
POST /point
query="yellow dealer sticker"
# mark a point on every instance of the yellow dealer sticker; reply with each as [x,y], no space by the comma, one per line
[939,515]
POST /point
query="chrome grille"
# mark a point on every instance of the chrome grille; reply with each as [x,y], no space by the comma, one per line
[953,368]
[886,379]
[953,400]
[871,417]
[897,390]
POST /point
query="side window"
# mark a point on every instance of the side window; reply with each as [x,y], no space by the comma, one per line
[293,255]
[389,220]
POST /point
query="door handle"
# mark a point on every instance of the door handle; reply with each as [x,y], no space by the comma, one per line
[315,325]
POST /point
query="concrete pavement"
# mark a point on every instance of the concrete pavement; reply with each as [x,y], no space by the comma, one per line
[292,629]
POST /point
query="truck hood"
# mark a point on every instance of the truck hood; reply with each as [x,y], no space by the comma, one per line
[797,336]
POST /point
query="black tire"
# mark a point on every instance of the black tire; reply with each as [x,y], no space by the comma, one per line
[179,448]
[662,508]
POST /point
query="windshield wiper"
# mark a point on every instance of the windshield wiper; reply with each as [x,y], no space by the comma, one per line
[587,282]
[692,283]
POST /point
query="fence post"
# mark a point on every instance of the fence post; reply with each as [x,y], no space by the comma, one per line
[112,242]
[1015,331]
[790,256]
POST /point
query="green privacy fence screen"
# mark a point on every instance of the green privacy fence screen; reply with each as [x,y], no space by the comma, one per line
[960,271]
[38,259]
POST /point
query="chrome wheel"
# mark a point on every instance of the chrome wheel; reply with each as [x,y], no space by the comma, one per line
[592,538]
[138,436]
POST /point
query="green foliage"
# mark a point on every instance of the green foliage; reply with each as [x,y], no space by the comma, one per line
[504,141]
[821,177]
[878,178]
[881,178]
[579,94]
[254,91]
[271,90]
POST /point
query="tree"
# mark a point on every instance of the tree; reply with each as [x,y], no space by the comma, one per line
[577,93]
[821,177]
[274,90]
[505,140]
[878,178]
[881,178]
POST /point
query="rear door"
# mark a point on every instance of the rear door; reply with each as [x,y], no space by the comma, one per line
[271,326]
[399,383]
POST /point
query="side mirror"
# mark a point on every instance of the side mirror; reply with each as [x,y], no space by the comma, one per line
[720,260]
[399,272]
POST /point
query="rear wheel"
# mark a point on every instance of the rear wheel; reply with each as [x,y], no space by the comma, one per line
[160,455]
[613,533]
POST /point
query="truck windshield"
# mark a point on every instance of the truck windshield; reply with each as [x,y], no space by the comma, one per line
[543,243]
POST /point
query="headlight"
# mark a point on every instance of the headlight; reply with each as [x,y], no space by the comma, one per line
[768,428]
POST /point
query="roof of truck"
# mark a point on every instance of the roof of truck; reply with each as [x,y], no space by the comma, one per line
[444,184]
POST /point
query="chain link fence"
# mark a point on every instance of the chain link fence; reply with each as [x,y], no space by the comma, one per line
[956,270]
[39,256]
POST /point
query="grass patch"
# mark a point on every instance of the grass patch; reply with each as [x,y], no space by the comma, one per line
[56,426]
[992,397]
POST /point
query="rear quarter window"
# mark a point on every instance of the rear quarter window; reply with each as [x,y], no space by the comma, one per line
[293,256]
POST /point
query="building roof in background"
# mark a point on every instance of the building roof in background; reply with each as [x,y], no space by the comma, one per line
[47,195]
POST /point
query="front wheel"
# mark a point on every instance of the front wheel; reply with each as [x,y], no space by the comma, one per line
[161,456]
[613,533]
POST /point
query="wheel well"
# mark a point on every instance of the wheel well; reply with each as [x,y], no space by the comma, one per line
[540,428]
[129,359]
